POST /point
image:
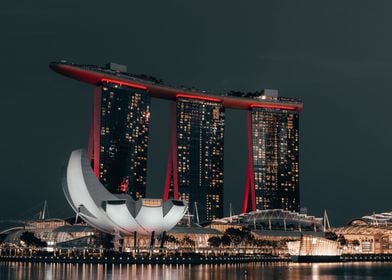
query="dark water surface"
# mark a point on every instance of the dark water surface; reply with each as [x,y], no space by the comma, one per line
[26,271]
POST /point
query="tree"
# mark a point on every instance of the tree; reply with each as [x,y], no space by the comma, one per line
[226,240]
[29,238]
[214,241]
[235,235]
[355,243]
[238,236]
[2,237]
[188,241]
[106,240]
[171,239]
[331,235]
[342,240]
[247,236]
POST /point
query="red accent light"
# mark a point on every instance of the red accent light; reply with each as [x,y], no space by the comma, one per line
[124,185]
[272,106]
[121,83]
[217,100]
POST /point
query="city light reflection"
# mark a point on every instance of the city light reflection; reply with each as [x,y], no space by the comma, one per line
[290,271]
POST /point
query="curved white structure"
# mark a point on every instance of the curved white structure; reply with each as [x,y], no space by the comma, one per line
[115,213]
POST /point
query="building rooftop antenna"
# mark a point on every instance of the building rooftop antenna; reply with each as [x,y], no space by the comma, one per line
[77,215]
[44,210]
[197,214]
[231,214]
[327,226]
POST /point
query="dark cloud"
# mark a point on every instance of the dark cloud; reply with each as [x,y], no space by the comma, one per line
[333,55]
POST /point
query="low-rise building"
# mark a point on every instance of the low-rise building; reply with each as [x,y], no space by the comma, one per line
[361,237]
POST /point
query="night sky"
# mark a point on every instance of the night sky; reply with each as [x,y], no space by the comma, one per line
[334,55]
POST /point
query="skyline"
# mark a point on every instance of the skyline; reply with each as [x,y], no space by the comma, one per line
[118,140]
[334,80]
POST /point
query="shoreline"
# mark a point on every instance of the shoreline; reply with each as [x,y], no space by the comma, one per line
[145,260]
[180,260]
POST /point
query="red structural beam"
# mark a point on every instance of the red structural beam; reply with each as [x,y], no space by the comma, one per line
[90,148]
[96,131]
[249,203]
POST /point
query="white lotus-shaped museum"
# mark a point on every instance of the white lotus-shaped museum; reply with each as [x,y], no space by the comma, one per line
[115,213]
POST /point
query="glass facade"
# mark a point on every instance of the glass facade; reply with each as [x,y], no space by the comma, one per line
[124,124]
[200,129]
[276,158]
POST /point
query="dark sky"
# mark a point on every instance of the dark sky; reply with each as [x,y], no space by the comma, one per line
[334,55]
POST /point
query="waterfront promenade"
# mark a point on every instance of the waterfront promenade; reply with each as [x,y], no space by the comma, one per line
[191,259]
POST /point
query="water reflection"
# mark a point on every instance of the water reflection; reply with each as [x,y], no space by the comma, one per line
[26,271]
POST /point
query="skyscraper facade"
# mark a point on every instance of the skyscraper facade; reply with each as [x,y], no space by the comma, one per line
[199,156]
[120,128]
[275,144]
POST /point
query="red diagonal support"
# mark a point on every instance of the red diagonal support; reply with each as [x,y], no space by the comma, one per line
[96,130]
[249,203]
[172,166]
[90,148]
